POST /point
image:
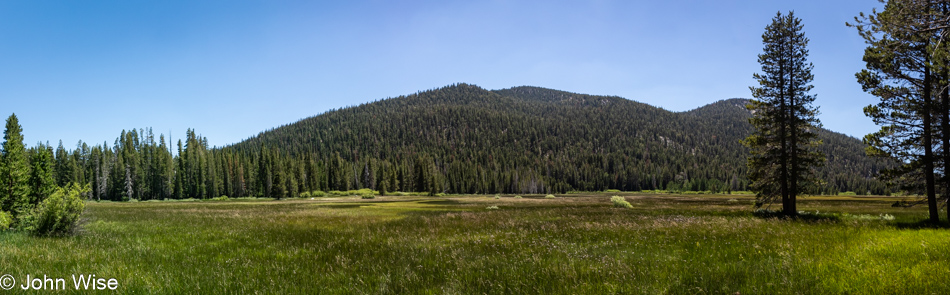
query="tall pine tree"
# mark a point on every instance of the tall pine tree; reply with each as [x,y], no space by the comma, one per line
[783,145]
[14,170]
[906,67]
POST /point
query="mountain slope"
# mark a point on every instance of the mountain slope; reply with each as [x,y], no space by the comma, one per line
[465,139]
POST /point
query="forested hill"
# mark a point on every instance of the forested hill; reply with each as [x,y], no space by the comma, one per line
[465,139]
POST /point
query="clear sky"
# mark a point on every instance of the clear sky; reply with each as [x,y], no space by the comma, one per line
[85,70]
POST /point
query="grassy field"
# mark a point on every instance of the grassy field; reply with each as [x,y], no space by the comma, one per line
[574,244]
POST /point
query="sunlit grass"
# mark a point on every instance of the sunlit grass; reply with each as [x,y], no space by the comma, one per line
[577,244]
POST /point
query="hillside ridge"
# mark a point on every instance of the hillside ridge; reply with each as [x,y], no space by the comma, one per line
[534,139]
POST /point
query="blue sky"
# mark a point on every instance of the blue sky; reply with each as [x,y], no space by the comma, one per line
[85,70]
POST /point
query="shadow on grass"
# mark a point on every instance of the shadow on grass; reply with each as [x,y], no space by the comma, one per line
[922,224]
[802,216]
[341,206]
[837,217]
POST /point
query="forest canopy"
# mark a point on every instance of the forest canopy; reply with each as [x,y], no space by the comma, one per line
[456,139]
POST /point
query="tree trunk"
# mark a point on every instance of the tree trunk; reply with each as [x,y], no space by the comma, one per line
[928,148]
[945,128]
[793,154]
[945,138]
[787,206]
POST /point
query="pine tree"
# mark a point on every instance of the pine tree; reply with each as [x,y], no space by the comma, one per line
[62,165]
[421,173]
[313,178]
[265,174]
[906,66]
[179,175]
[783,155]
[129,192]
[278,185]
[42,182]
[14,170]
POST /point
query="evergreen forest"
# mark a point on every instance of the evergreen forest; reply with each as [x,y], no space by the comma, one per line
[456,139]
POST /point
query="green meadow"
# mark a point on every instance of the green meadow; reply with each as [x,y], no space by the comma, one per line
[571,244]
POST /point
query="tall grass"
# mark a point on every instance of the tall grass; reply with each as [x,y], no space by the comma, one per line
[576,245]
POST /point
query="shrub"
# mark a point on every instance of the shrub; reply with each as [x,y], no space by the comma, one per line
[58,214]
[517,197]
[221,198]
[368,196]
[318,194]
[5,220]
[492,208]
[549,197]
[613,191]
[305,194]
[497,197]
[620,202]
[440,195]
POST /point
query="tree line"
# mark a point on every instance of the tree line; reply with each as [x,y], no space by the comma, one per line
[457,139]
[530,139]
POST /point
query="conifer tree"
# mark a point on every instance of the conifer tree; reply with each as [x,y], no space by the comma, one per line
[14,170]
[783,155]
[42,182]
[62,165]
[278,185]
[906,67]
[179,175]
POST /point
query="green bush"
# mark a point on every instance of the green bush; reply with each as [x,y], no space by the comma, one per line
[318,194]
[613,191]
[5,220]
[620,202]
[492,208]
[517,197]
[497,197]
[368,196]
[305,194]
[221,198]
[549,197]
[58,214]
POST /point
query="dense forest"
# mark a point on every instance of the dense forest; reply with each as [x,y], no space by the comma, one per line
[456,139]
